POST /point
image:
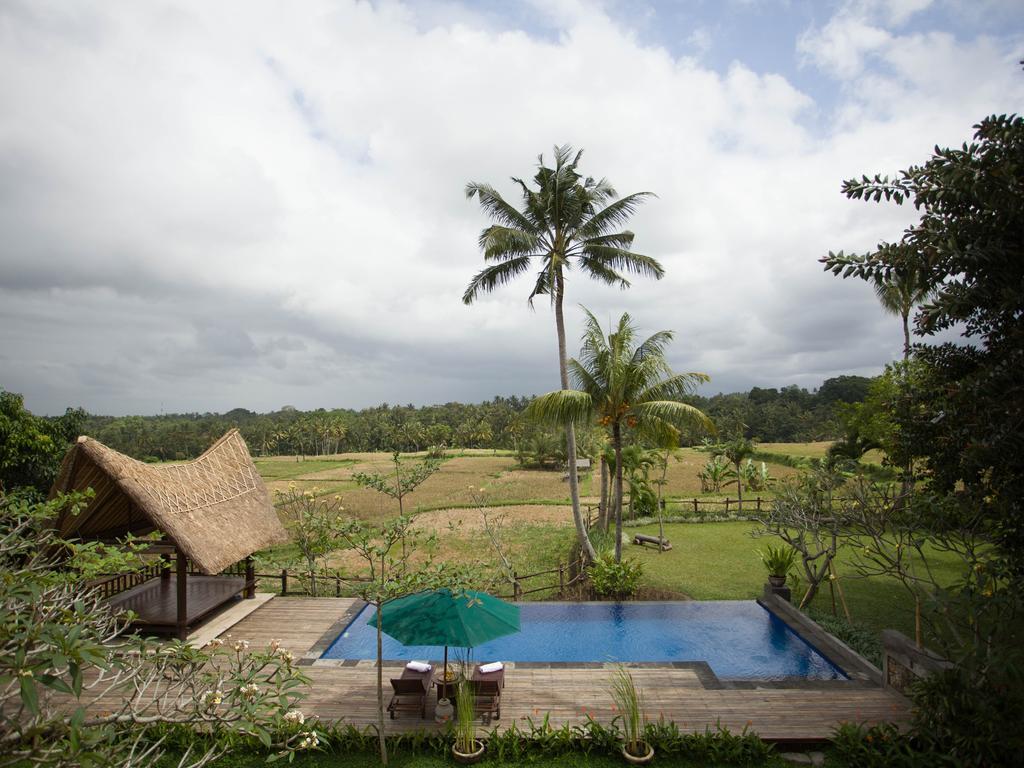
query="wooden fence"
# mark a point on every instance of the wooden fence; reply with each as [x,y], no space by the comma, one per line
[285,582]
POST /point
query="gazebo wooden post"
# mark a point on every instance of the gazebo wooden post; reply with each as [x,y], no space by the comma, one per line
[182,585]
[250,577]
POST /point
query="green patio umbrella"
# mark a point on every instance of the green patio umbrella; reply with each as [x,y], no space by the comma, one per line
[441,617]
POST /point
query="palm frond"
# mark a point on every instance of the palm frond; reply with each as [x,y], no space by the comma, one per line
[563,407]
[501,243]
[673,387]
[489,278]
[673,412]
[603,273]
[582,379]
[625,260]
[654,345]
[615,215]
[496,207]
[543,285]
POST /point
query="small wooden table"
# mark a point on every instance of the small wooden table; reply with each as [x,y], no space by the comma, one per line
[446,688]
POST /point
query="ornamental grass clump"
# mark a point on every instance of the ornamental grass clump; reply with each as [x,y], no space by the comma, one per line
[629,701]
[465,719]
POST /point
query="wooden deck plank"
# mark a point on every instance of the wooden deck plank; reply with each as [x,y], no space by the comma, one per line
[155,601]
[569,695]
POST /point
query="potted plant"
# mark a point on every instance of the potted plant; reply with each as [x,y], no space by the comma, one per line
[467,748]
[779,562]
[630,703]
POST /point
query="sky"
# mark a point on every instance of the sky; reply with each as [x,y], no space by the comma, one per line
[206,206]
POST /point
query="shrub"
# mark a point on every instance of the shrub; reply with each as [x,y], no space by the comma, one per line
[973,715]
[619,581]
[858,636]
[883,746]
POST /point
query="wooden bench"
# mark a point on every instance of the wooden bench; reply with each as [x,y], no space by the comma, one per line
[654,541]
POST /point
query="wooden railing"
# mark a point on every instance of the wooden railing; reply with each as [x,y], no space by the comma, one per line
[112,584]
[285,582]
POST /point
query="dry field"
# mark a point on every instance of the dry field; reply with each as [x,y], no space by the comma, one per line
[481,478]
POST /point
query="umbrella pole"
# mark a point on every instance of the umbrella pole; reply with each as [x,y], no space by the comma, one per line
[446,663]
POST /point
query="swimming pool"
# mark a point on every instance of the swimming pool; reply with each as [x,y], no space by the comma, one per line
[738,639]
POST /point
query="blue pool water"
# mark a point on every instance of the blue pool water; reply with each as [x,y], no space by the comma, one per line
[738,639]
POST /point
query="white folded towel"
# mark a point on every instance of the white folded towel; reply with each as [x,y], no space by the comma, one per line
[494,666]
[418,666]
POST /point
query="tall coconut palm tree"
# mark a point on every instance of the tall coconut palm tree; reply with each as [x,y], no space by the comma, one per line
[624,385]
[900,293]
[566,221]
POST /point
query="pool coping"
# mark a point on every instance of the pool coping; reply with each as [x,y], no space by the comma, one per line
[859,671]
[853,665]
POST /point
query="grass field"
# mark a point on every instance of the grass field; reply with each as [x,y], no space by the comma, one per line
[718,561]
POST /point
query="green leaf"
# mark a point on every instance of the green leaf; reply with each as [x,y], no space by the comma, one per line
[29,694]
[54,682]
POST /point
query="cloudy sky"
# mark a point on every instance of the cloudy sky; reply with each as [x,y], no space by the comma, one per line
[213,205]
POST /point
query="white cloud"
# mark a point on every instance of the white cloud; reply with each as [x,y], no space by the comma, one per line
[216,205]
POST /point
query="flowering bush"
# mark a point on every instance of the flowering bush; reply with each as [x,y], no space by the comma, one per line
[80,691]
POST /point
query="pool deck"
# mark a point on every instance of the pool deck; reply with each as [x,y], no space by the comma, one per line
[678,692]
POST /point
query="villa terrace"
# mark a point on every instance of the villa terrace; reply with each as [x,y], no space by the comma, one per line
[347,691]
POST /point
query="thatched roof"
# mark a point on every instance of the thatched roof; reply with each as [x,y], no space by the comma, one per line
[216,509]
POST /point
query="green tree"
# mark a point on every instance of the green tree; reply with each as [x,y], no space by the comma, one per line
[966,413]
[900,292]
[625,385]
[30,447]
[734,451]
[567,221]
[313,522]
[390,578]
[402,482]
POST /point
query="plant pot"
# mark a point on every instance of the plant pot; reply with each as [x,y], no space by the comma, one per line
[777,581]
[444,711]
[468,757]
[639,759]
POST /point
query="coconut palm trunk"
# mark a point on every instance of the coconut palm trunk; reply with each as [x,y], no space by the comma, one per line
[739,487]
[603,517]
[570,431]
[617,442]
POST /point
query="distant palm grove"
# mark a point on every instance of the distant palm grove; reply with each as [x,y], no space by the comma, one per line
[766,414]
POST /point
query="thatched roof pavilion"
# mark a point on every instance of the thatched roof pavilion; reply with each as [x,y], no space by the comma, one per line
[213,513]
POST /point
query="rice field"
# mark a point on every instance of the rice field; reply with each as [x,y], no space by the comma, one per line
[486,478]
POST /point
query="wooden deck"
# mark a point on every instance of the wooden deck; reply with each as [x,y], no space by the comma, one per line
[155,602]
[570,694]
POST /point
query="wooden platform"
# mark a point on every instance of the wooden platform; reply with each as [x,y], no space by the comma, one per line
[348,693]
[155,602]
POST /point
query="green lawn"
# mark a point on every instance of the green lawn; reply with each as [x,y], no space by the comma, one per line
[718,561]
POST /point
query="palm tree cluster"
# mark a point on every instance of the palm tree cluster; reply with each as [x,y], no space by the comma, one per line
[628,388]
[567,221]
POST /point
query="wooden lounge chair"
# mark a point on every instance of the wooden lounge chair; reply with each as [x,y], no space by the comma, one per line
[486,699]
[410,693]
[499,675]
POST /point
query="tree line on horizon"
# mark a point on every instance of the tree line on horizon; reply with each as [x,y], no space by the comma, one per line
[787,414]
